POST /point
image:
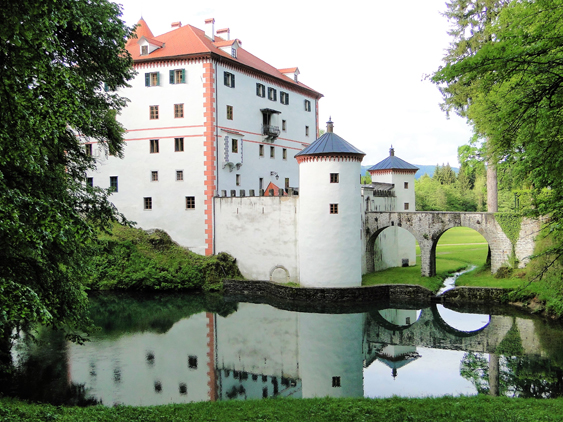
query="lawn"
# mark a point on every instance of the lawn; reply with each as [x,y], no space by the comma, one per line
[458,248]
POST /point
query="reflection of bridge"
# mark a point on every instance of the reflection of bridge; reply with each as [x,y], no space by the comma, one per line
[430,330]
[427,227]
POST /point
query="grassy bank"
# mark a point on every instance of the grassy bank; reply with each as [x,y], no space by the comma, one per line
[133,259]
[480,408]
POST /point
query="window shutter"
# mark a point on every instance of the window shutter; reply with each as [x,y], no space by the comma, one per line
[172,77]
[226,78]
[258,89]
[233,80]
[158,78]
[287,98]
[184,76]
[147,79]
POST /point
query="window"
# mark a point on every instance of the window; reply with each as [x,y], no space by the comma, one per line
[153,112]
[154,176]
[284,154]
[183,389]
[284,125]
[178,144]
[234,52]
[113,183]
[261,183]
[334,178]
[307,105]
[334,208]
[158,387]
[306,130]
[88,148]
[272,94]
[229,112]
[406,206]
[177,76]
[154,146]
[178,111]
[284,97]
[237,179]
[179,175]
[192,362]
[190,205]
[229,80]
[406,185]
[261,150]
[90,182]
[260,90]
[144,50]
[287,182]
[147,203]
[336,382]
[234,146]
[272,152]
[152,79]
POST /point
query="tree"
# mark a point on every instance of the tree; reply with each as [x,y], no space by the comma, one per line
[55,57]
[366,179]
[515,101]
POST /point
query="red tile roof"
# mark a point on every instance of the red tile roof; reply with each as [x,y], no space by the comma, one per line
[188,41]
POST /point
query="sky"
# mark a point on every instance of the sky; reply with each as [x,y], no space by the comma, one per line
[368,59]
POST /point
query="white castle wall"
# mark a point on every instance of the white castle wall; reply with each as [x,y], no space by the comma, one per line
[261,232]
[329,244]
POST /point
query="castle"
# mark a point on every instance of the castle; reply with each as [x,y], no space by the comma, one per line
[221,152]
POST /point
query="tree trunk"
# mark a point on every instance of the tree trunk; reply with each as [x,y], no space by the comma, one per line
[492,189]
[494,375]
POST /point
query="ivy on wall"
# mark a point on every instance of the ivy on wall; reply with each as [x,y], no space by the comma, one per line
[510,223]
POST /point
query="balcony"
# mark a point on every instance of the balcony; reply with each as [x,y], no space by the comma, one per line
[271,132]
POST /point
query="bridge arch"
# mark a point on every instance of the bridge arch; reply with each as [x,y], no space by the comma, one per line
[428,227]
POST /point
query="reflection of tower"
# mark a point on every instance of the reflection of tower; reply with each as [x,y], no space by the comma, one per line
[329,212]
[397,356]
[331,355]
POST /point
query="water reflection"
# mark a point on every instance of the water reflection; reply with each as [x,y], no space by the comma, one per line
[177,350]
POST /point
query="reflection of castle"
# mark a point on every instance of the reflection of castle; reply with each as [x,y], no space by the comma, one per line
[261,351]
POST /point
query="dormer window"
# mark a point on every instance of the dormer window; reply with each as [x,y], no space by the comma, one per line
[234,52]
[144,50]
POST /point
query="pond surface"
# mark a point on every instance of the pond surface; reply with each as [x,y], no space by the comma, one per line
[185,348]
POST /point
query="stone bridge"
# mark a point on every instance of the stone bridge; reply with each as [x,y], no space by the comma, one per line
[427,227]
[430,330]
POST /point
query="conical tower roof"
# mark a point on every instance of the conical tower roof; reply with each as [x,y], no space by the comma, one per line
[393,163]
[330,144]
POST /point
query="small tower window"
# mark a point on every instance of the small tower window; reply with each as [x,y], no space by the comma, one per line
[334,208]
[406,185]
[334,178]
[261,150]
[336,382]
[406,206]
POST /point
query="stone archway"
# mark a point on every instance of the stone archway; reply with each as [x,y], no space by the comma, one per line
[279,274]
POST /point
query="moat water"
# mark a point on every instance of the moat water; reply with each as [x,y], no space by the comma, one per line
[158,349]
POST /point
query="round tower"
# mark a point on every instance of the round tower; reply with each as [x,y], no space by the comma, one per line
[329,213]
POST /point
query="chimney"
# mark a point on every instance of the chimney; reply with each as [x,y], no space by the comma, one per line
[329,125]
[176,24]
[224,33]
[210,28]
[391,151]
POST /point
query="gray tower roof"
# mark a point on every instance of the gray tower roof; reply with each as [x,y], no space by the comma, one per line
[330,143]
[393,163]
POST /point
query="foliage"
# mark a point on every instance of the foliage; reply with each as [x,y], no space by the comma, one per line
[366,179]
[133,259]
[443,409]
[511,344]
[55,57]
[511,90]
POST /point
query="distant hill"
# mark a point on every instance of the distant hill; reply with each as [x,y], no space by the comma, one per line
[422,170]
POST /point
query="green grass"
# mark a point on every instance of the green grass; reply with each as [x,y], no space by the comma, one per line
[457,249]
[478,408]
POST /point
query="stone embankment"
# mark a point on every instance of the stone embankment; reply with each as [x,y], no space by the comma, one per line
[385,292]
